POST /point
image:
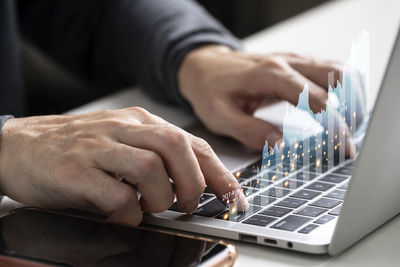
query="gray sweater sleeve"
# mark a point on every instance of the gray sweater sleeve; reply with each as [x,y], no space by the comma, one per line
[3,120]
[123,42]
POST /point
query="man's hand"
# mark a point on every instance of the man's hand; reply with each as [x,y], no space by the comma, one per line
[79,161]
[225,87]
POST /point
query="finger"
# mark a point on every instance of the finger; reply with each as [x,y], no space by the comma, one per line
[116,199]
[317,102]
[249,130]
[318,99]
[293,85]
[180,161]
[217,176]
[142,168]
[323,73]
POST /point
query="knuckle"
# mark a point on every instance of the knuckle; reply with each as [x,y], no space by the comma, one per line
[274,62]
[174,137]
[294,55]
[150,163]
[203,148]
[139,110]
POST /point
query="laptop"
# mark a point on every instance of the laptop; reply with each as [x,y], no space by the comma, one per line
[308,209]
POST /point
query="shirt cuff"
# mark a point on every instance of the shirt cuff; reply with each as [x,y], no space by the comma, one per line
[189,44]
[3,120]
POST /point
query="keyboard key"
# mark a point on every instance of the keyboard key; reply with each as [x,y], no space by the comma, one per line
[326,203]
[293,166]
[344,186]
[257,183]
[324,219]
[338,194]
[308,228]
[204,198]
[276,192]
[262,200]
[331,178]
[259,220]
[291,202]
[345,170]
[286,168]
[174,207]
[251,183]
[237,216]
[275,211]
[248,191]
[305,194]
[292,184]
[246,173]
[311,211]
[321,169]
[261,184]
[210,209]
[291,223]
[240,215]
[335,211]
[319,186]
[304,176]
[271,176]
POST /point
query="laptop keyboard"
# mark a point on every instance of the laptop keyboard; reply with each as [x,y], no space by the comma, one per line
[288,198]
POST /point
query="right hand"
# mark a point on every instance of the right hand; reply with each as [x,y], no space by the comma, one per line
[78,161]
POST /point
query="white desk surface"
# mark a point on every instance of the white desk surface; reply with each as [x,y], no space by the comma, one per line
[328,32]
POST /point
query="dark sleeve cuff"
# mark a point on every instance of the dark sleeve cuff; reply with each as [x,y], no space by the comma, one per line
[178,53]
[3,120]
[145,41]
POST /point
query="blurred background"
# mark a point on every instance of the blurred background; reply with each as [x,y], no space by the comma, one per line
[244,17]
[241,17]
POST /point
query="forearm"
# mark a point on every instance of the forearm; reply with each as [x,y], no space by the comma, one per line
[146,40]
[119,43]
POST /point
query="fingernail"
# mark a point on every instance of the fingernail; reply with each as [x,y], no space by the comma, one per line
[241,201]
[274,137]
[190,207]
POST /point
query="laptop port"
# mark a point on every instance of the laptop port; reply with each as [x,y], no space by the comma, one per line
[270,241]
[290,245]
[248,238]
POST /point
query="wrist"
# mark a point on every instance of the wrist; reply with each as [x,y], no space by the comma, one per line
[196,65]
[212,66]
[4,125]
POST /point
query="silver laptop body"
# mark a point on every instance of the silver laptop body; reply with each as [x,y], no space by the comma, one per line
[341,210]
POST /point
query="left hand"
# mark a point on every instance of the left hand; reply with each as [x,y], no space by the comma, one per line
[225,88]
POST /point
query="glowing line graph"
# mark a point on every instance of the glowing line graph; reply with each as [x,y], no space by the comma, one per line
[344,118]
